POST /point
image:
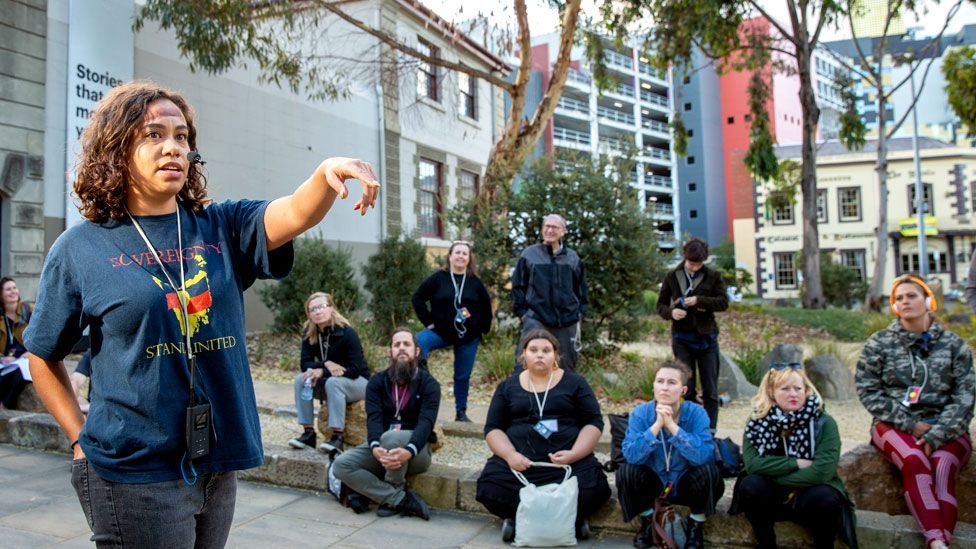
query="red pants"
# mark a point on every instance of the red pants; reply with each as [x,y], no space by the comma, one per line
[929,481]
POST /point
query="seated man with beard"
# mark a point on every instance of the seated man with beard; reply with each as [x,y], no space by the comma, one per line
[401,407]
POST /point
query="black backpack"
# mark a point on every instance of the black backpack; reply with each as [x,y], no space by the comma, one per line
[618,430]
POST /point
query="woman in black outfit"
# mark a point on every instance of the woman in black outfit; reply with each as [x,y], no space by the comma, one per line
[455,307]
[570,412]
[16,314]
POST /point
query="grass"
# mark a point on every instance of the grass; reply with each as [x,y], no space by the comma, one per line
[840,323]
[748,357]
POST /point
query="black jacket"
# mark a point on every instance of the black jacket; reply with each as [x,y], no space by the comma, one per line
[434,304]
[711,299]
[344,349]
[419,414]
[552,286]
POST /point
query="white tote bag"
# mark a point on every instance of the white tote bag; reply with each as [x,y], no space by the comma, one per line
[546,515]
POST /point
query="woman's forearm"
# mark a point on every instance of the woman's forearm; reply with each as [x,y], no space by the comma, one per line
[54,387]
[500,444]
[586,441]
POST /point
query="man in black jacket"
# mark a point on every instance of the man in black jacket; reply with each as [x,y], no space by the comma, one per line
[690,296]
[401,408]
[549,290]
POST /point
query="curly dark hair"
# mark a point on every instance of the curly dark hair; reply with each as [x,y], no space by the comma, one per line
[106,147]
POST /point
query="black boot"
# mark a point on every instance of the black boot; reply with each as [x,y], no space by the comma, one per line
[645,537]
[508,530]
[462,416]
[694,534]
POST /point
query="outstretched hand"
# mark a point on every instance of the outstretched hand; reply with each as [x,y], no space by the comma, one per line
[339,169]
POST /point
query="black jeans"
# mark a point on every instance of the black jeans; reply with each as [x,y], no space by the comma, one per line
[820,508]
[706,373]
[638,486]
[11,385]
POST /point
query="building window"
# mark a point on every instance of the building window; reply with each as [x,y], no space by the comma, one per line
[938,262]
[693,214]
[926,196]
[687,80]
[748,118]
[849,203]
[784,267]
[972,193]
[687,106]
[468,95]
[855,260]
[730,120]
[427,73]
[429,198]
[783,215]
[691,160]
[692,187]
[467,185]
[691,133]
[821,205]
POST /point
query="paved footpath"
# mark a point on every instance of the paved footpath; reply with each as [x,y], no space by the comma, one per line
[38,508]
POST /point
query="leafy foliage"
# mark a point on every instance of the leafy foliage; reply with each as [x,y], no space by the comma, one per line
[392,275]
[318,267]
[760,160]
[852,127]
[959,69]
[842,286]
[614,238]
[725,265]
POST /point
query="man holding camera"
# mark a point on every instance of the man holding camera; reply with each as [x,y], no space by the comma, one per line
[690,296]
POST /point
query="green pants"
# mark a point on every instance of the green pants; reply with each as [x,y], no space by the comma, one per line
[359,470]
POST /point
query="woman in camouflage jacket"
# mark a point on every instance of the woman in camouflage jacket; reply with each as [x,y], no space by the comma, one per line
[917,380]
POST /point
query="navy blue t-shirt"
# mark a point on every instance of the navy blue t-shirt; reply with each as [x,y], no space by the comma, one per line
[104,277]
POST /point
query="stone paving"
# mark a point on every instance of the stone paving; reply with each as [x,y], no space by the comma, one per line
[38,508]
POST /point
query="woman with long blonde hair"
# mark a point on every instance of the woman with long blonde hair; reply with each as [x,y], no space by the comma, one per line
[790,451]
[333,366]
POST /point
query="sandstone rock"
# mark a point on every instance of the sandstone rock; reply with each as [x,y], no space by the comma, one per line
[875,485]
[38,431]
[732,381]
[831,377]
[29,401]
[355,429]
[438,485]
[784,352]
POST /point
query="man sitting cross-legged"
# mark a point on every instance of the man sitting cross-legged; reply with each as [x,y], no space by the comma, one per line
[401,408]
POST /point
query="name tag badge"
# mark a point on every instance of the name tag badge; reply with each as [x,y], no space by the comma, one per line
[551,424]
[913,394]
[543,431]
[462,315]
[395,426]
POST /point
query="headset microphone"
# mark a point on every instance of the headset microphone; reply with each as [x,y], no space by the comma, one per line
[195,158]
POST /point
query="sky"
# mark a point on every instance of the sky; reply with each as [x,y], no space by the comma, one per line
[544,19]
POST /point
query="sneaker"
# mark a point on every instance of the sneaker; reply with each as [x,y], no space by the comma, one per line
[508,530]
[333,444]
[386,511]
[583,530]
[304,442]
[414,506]
[462,416]
[645,536]
[694,535]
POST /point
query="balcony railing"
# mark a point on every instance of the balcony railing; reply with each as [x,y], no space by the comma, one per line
[574,105]
[658,180]
[572,136]
[652,72]
[654,125]
[619,59]
[654,152]
[615,145]
[654,98]
[662,209]
[625,90]
[575,75]
[616,116]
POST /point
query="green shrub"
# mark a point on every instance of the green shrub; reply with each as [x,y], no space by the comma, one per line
[392,274]
[496,359]
[318,267]
[843,324]
[649,303]
[748,358]
[841,284]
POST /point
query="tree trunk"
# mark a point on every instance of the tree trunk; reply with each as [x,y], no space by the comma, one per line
[813,295]
[872,301]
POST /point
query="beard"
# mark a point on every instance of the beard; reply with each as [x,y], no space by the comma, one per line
[402,370]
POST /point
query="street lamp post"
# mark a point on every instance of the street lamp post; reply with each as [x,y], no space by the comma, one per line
[923,256]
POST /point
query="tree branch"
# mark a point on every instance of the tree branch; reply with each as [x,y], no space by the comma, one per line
[820,26]
[857,45]
[513,127]
[392,42]
[786,35]
[918,94]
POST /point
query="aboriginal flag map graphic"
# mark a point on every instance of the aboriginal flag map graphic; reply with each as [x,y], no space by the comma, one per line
[197,294]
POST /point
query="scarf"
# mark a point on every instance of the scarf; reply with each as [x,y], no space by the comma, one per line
[768,434]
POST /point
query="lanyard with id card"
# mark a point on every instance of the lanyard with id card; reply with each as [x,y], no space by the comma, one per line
[398,405]
[545,427]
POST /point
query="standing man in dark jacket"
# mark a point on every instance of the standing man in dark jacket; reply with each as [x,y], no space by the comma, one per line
[549,290]
[401,408]
[690,296]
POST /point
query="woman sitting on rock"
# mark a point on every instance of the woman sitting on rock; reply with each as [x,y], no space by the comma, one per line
[16,314]
[543,414]
[331,356]
[790,451]
[916,378]
[669,452]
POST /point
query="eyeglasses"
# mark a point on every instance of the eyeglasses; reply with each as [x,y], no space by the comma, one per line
[780,366]
[465,242]
[318,308]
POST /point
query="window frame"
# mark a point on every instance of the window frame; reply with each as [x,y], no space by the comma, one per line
[862,267]
[461,188]
[927,189]
[438,228]
[428,79]
[826,202]
[468,99]
[777,256]
[841,218]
